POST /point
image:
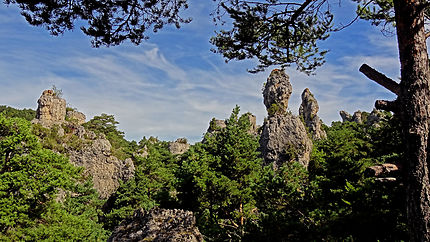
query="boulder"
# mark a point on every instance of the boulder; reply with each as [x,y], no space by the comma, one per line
[308,111]
[167,225]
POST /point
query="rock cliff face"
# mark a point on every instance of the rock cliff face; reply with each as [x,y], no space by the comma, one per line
[308,111]
[106,170]
[51,109]
[91,151]
[158,225]
[179,147]
[284,138]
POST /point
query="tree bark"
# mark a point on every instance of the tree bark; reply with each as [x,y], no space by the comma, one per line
[414,101]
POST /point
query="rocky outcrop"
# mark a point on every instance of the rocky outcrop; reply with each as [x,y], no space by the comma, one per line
[284,137]
[51,109]
[369,119]
[376,117]
[158,225]
[106,170]
[277,92]
[75,116]
[216,125]
[84,148]
[308,111]
[179,147]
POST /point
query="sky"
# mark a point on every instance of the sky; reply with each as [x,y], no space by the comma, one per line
[172,85]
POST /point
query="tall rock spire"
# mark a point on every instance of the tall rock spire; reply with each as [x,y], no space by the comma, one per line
[283,138]
[308,111]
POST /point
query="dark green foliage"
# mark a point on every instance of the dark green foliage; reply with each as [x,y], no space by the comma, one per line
[346,205]
[107,125]
[152,184]
[275,32]
[216,179]
[106,22]
[280,199]
[27,114]
[30,179]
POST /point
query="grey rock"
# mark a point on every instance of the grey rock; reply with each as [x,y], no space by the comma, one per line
[373,118]
[142,152]
[345,116]
[277,91]
[90,151]
[376,117]
[106,170]
[158,225]
[75,116]
[178,147]
[357,117]
[216,125]
[51,109]
[284,139]
[308,111]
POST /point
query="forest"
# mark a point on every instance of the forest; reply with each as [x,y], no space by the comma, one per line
[222,180]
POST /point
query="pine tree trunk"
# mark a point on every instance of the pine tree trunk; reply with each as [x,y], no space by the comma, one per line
[414,104]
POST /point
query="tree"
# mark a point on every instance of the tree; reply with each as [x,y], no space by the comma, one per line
[30,180]
[107,125]
[216,179]
[152,184]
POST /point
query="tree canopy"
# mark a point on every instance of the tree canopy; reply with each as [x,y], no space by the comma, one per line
[107,22]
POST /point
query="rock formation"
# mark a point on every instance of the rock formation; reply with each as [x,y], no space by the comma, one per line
[84,148]
[284,136]
[215,125]
[75,116]
[106,170]
[179,147]
[370,119]
[158,225]
[51,109]
[277,92]
[308,111]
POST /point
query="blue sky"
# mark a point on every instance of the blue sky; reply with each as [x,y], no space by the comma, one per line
[172,85]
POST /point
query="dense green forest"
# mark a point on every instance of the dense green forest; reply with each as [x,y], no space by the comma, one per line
[223,180]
